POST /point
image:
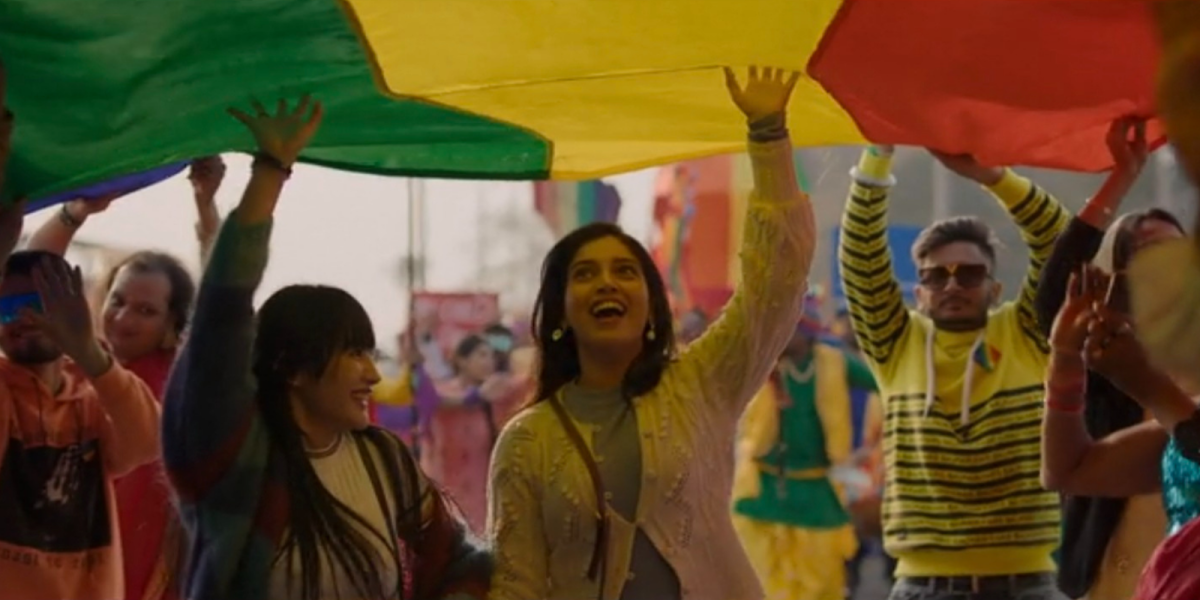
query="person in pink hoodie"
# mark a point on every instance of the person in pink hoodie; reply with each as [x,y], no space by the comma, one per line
[71,421]
[144,311]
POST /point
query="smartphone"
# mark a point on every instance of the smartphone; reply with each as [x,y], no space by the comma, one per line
[12,305]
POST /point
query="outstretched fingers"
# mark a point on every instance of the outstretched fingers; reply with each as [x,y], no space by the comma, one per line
[731,81]
[793,81]
[240,115]
[314,119]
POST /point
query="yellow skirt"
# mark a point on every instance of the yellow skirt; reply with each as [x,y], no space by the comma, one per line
[798,564]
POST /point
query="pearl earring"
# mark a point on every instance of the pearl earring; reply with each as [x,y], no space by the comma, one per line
[557,334]
[650,335]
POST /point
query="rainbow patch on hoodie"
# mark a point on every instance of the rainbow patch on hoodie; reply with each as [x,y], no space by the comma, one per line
[987,357]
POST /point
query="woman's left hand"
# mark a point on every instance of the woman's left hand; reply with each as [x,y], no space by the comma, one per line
[1126,141]
[1068,335]
[766,92]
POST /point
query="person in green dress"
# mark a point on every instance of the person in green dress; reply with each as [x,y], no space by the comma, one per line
[789,509]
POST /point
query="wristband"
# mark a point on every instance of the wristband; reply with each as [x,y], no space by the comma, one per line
[1070,408]
[67,218]
[263,159]
[1059,389]
[874,150]
[867,181]
[1073,385]
[769,128]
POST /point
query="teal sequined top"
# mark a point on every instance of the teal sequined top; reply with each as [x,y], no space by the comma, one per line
[1181,488]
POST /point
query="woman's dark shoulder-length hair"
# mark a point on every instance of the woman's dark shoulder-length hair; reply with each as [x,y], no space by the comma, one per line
[1126,242]
[558,360]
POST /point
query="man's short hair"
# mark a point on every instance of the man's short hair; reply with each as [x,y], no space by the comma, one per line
[956,229]
[23,262]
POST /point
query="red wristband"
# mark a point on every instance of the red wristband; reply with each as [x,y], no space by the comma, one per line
[1070,387]
[1071,408]
[1068,380]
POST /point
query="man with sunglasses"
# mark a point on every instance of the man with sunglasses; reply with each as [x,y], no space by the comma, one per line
[962,380]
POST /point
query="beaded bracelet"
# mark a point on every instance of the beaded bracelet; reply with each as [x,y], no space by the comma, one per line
[769,128]
[262,159]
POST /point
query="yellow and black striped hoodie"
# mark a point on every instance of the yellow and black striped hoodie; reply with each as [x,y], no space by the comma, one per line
[963,492]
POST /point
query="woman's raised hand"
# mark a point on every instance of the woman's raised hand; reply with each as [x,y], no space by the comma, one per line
[766,92]
[285,133]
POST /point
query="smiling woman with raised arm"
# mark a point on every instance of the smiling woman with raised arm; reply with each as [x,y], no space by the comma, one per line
[285,488]
[619,422]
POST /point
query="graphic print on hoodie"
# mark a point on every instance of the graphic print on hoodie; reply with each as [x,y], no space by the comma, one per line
[58,457]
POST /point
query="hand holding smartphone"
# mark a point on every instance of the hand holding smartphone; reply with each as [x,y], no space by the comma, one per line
[12,305]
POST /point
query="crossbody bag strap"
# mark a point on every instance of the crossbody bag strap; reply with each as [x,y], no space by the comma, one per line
[600,550]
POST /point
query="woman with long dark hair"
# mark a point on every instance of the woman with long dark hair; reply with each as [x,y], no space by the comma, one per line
[616,482]
[285,488]
[1110,524]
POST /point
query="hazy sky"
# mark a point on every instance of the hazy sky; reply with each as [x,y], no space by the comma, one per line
[344,229]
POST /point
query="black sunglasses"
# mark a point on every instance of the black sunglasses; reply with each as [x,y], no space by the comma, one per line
[967,276]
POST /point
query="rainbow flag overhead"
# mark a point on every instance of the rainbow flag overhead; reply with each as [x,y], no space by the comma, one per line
[568,89]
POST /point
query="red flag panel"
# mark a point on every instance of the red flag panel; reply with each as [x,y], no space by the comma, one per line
[1054,74]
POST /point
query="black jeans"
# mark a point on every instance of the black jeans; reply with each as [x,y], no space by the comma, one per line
[1034,586]
[854,567]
